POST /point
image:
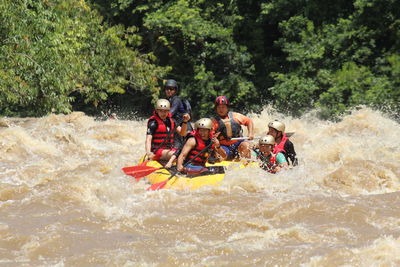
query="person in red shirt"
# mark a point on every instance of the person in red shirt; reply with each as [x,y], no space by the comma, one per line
[229,125]
[161,129]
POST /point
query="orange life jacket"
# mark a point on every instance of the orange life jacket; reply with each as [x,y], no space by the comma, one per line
[229,128]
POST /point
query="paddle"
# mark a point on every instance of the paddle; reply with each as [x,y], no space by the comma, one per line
[140,171]
[244,138]
[289,134]
[161,185]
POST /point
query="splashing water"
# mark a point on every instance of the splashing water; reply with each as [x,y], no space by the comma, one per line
[65,201]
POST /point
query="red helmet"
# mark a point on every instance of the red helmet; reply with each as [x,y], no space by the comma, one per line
[220,100]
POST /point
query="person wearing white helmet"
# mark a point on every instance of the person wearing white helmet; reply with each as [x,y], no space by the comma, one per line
[269,161]
[195,143]
[282,142]
[161,129]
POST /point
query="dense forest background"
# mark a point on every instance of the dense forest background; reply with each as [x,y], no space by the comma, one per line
[95,55]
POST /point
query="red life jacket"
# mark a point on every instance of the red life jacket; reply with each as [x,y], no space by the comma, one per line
[200,145]
[162,139]
[281,146]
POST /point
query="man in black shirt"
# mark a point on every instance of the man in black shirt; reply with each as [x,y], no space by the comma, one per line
[180,108]
[161,129]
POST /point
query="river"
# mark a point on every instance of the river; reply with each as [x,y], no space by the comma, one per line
[64,200]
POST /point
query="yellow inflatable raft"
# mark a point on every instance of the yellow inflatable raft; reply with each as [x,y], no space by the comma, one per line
[212,177]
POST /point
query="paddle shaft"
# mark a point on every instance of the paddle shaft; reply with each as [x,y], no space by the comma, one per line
[244,138]
[289,134]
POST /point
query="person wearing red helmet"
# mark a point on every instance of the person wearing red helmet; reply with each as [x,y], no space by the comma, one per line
[229,125]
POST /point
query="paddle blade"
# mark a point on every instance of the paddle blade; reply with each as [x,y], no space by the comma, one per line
[157,186]
[128,170]
[144,173]
[144,163]
[289,134]
[139,171]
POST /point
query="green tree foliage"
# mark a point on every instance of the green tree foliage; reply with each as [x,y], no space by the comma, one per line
[298,54]
[196,38]
[341,62]
[54,51]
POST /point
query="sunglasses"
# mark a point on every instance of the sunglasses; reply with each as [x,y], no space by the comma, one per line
[170,88]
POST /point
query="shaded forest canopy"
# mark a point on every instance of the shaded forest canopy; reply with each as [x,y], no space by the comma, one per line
[64,55]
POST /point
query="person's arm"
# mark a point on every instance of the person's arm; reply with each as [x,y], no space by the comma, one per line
[189,145]
[254,154]
[215,128]
[175,104]
[186,117]
[182,130]
[246,121]
[152,126]
[250,129]
[281,162]
[149,154]
[220,153]
[171,160]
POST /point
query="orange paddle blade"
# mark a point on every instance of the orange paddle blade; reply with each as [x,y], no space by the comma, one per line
[144,163]
[157,186]
[139,171]
[144,173]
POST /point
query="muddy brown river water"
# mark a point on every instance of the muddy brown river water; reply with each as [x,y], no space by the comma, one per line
[64,200]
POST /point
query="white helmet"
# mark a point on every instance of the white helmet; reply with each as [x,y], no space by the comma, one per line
[162,104]
[267,140]
[277,125]
[204,123]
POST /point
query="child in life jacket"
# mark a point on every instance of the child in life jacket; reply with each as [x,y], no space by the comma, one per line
[269,161]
